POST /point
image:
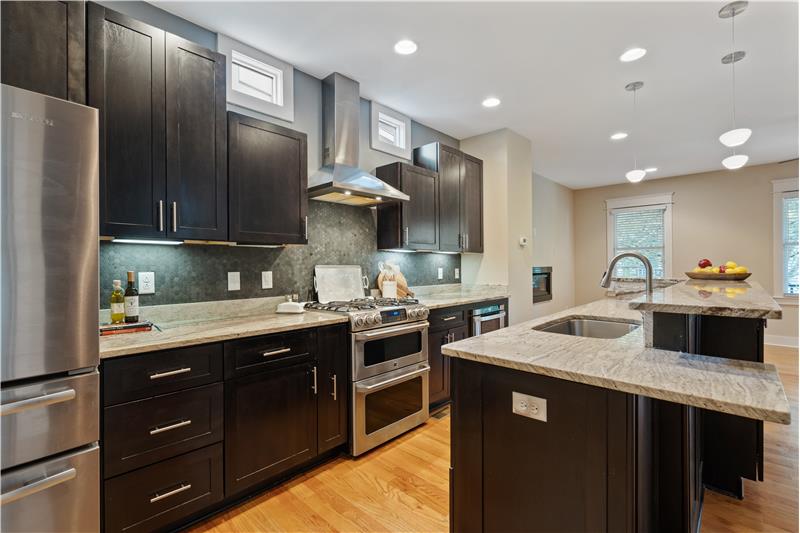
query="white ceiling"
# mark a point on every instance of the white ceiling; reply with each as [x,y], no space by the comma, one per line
[555,67]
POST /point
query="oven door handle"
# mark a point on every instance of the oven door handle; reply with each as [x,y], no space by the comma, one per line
[484,318]
[393,381]
[389,332]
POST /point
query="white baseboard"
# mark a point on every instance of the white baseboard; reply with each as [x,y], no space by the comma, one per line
[780,340]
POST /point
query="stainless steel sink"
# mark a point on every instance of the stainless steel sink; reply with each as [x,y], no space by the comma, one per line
[582,327]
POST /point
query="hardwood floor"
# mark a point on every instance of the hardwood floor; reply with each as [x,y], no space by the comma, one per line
[403,486]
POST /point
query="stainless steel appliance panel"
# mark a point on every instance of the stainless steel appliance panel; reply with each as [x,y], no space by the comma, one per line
[389,348]
[49,235]
[488,319]
[59,494]
[400,404]
[48,417]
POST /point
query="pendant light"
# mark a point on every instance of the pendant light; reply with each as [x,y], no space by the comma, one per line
[636,175]
[736,136]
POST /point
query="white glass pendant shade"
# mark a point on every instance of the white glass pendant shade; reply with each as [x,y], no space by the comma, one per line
[735,161]
[736,137]
[635,176]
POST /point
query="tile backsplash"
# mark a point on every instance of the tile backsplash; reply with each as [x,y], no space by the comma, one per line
[338,235]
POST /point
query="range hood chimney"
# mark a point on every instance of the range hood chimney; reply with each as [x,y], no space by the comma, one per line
[340,180]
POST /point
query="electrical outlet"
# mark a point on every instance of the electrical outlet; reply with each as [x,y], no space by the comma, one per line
[458,273]
[234,283]
[441,273]
[147,282]
[529,406]
[266,279]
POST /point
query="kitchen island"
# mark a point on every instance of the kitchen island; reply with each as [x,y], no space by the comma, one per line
[558,432]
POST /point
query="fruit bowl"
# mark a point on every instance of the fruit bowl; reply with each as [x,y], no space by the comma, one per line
[719,277]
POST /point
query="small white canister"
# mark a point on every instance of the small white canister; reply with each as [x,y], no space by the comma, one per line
[389,289]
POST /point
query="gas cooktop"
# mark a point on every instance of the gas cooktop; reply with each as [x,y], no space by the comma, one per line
[372,313]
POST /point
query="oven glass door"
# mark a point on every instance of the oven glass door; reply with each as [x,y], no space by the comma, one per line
[386,349]
[387,405]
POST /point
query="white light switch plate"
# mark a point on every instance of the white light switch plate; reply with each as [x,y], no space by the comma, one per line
[266,279]
[458,273]
[441,273]
[529,406]
[147,282]
[233,281]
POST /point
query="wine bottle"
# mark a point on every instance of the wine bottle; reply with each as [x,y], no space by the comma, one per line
[117,303]
[131,300]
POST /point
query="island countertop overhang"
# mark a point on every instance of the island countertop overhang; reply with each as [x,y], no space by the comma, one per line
[742,388]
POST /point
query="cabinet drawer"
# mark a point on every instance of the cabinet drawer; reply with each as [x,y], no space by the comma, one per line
[142,432]
[447,318]
[142,376]
[164,493]
[248,356]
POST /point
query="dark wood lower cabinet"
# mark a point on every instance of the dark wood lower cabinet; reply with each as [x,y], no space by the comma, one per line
[439,383]
[333,387]
[270,425]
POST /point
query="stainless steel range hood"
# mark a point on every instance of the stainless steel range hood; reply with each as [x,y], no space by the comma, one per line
[340,180]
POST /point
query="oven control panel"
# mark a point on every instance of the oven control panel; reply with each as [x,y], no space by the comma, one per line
[393,315]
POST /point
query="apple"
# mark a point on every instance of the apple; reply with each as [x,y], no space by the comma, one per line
[703,263]
[722,269]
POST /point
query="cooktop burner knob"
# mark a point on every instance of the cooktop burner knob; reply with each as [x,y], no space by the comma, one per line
[360,321]
[370,319]
[413,313]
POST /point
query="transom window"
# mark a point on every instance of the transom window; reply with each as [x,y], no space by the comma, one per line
[256,78]
[644,225]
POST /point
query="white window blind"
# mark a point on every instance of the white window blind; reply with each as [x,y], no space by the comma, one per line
[643,230]
[789,220]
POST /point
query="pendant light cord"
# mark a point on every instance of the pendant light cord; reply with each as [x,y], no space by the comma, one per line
[635,131]
[733,68]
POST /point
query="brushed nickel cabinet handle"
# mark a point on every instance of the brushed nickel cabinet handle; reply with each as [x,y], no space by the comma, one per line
[314,373]
[158,497]
[448,318]
[162,429]
[306,227]
[466,236]
[161,215]
[333,379]
[12,408]
[270,353]
[160,375]
[174,217]
[405,236]
[37,486]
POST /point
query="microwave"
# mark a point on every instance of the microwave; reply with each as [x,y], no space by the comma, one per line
[542,283]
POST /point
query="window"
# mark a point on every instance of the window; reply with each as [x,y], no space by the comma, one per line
[641,224]
[390,131]
[785,237]
[257,81]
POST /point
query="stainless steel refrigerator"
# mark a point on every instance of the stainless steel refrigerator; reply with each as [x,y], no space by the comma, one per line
[49,396]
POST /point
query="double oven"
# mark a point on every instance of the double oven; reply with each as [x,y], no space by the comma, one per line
[389,389]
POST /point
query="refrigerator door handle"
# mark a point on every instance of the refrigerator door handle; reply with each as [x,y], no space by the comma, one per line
[37,402]
[37,486]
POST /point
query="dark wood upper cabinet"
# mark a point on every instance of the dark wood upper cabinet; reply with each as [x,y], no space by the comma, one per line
[332,357]
[163,161]
[412,225]
[270,425]
[43,48]
[126,83]
[460,196]
[197,170]
[268,181]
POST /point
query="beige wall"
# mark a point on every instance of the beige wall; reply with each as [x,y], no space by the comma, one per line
[720,215]
[507,216]
[554,241]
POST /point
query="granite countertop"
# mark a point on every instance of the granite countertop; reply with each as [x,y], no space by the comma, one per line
[189,333]
[219,321]
[453,296]
[743,299]
[742,388]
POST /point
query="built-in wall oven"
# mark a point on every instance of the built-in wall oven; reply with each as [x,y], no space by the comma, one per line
[390,384]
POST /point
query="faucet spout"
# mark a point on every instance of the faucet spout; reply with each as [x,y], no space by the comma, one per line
[648,267]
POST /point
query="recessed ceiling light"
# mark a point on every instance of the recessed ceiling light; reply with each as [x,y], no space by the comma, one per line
[635,176]
[632,54]
[735,161]
[491,102]
[735,137]
[618,136]
[405,47]
[651,169]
